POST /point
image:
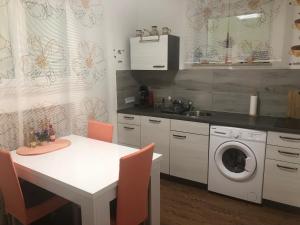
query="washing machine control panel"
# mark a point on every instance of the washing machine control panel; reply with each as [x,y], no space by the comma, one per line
[238,133]
[235,134]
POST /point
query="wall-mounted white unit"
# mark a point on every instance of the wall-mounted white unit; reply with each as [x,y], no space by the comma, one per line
[155,53]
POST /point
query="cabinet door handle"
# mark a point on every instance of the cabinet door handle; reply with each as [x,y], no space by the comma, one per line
[159,66]
[129,128]
[179,136]
[289,153]
[290,139]
[151,40]
[294,169]
[155,121]
[128,117]
[218,132]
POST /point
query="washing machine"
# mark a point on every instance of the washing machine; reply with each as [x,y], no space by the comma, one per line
[236,162]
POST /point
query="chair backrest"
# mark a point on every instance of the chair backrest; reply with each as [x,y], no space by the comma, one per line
[10,187]
[100,131]
[132,194]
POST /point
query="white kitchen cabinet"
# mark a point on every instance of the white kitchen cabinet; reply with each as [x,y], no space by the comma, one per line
[291,155]
[129,119]
[282,169]
[129,135]
[282,182]
[190,127]
[284,139]
[189,156]
[155,53]
[129,130]
[189,150]
[157,131]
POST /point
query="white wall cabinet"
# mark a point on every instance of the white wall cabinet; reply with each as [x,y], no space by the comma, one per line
[155,53]
[129,130]
[189,150]
[282,169]
[157,131]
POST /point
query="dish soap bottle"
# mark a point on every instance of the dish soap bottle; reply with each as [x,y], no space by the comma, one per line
[51,133]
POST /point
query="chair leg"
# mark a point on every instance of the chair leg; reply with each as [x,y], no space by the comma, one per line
[13,221]
[76,214]
[144,223]
[10,219]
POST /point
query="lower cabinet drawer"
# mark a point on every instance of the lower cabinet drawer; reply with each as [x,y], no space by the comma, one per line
[189,156]
[282,182]
[284,139]
[129,119]
[190,127]
[291,155]
[129,135]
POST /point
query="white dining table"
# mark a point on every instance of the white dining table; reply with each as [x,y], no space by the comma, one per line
[86,173]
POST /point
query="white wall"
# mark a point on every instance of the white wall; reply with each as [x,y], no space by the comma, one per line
[121,23]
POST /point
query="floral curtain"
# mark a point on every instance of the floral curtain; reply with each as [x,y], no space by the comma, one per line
[294,47]
[232,31]
[52,66]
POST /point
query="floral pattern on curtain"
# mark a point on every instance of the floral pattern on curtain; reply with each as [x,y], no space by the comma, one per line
[213,30]
[294,48]
[52,65]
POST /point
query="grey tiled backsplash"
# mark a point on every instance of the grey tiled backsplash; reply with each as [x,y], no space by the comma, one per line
[217,89]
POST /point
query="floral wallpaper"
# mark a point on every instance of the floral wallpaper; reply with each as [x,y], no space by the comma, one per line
[52,66]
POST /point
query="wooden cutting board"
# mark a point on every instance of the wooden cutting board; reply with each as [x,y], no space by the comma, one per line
[294,104]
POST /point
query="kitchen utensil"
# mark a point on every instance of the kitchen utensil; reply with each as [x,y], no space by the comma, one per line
[154,31]
[144,95]
[294,104]
[139,33]
[166,30]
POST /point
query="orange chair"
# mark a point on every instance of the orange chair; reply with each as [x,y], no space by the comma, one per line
[100,131]
[132,194]
[13,196]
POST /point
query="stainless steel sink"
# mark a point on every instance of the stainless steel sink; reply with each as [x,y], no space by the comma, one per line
[197,114]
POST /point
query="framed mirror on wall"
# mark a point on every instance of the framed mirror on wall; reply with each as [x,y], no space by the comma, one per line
[237,32]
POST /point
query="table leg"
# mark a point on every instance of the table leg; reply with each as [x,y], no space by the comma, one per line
[95,211]
[155,195]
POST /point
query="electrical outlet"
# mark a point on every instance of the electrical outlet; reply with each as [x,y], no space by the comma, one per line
[129,100]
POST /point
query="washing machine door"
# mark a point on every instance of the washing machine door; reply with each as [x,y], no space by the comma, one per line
[235,161]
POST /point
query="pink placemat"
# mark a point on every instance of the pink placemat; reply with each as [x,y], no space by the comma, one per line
[49,147]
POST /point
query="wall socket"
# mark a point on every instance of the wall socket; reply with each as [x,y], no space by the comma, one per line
[129,100]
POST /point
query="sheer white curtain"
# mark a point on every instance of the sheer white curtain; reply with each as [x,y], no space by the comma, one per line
[234,31]
[52,65]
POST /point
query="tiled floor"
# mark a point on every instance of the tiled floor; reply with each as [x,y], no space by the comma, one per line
[187,205]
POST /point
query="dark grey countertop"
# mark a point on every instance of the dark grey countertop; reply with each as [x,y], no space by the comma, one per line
[264,123]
